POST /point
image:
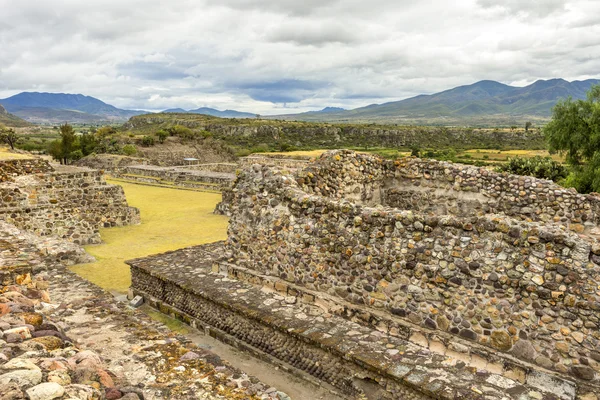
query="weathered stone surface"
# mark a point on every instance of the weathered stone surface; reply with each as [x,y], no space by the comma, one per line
[489,252]
[46,391]
[501,340]
[24,377]
[69,202]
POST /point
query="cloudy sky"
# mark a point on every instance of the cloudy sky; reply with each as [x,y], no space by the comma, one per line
[280,56]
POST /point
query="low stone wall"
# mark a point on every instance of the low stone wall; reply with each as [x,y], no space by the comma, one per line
[228,168]
[434,187]
[79,225]
[358,351]
[178,176]
[63,337]
[517,287]
[284,162]
[11,168]
[71,203]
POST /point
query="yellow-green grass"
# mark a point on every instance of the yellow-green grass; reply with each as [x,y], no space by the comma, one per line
[5,154]
[171,219]
[298,153]
[497,155]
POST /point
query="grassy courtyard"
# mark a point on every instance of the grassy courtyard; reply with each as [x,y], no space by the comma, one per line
[171,219]
[6,154]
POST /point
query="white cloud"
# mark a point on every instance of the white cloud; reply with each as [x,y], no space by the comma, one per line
[256,55]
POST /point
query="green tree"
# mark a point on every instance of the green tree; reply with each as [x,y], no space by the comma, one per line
[9,136]
[528,126]
[575,132]
[68,141]
[88,143]
[63,149]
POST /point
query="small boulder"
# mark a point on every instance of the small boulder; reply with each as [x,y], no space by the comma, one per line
[46,391]
[20,363]
[22,331]
[190,355]
[49,342]
[61,377]
[24,377]
[87,359]
[137,301]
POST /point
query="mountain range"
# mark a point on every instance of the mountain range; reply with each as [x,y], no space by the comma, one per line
[54,108]
[482,101]
[212,112]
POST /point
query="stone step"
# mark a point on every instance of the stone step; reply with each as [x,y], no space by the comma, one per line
[297,329]
[158,182]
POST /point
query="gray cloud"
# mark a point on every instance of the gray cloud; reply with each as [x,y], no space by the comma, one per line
[281,56]
[302,32]
[538,8]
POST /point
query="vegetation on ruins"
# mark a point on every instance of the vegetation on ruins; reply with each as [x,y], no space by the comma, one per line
[540,167]
[575,132]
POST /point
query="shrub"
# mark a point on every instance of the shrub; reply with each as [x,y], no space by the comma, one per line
[179,130]
[147,141]
[76,155]
[540,167]
[129,150]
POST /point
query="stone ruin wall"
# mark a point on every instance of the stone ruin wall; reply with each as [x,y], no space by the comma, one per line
[434,187]
[284,162]
[521,288]
[11,168]
[69,204]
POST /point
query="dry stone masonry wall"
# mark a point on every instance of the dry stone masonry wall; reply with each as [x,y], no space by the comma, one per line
[516,275]
[12,168]
[195,177]
[69,203]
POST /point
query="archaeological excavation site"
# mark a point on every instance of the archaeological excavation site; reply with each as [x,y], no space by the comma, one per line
[399,279]
[369,278]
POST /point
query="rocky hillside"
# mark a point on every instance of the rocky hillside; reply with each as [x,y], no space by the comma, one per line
[292,134]
[10,120]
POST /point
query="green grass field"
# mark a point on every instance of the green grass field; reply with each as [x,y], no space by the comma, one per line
[171,219]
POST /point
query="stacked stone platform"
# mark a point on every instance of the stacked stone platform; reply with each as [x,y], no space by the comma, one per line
[65,202]
[334,341]
[211,179]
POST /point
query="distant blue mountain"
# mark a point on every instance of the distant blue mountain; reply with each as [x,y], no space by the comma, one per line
[464,103]
[213,112]
[62,107]
[327,110]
